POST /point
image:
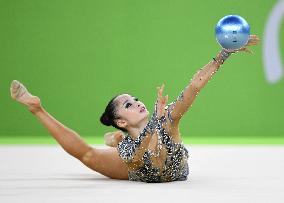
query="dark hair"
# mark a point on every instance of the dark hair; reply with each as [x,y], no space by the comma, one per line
[108,117]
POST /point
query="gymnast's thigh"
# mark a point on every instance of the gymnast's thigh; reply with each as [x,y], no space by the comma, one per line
[107,162]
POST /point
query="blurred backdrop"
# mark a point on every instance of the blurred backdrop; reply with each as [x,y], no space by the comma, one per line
[76,55]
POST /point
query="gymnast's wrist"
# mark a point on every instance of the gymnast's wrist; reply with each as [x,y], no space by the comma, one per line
[222,56]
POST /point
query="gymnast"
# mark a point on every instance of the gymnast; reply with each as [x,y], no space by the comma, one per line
[145,148]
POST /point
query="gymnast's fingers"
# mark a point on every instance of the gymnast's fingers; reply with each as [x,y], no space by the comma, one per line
[254,40]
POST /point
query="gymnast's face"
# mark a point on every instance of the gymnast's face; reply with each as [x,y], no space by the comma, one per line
[130,111]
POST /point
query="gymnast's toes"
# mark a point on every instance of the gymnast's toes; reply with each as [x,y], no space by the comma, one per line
[20,93]
[15,89]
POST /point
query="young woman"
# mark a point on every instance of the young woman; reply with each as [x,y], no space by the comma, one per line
[144,149]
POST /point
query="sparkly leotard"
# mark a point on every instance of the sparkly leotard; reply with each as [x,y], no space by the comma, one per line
[175,166]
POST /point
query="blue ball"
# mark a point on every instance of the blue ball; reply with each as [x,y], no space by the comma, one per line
[232,32]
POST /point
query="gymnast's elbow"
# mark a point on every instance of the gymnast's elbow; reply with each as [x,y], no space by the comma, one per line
[197,84]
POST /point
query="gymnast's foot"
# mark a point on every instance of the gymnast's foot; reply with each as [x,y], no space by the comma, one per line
[113,138]
[20,93]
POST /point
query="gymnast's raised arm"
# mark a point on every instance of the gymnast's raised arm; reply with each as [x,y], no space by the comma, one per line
[184,101]
[135,152]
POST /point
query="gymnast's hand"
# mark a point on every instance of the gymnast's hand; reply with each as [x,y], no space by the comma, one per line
[161,102]
[253,40]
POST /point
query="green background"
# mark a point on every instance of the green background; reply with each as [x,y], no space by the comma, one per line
[76,55]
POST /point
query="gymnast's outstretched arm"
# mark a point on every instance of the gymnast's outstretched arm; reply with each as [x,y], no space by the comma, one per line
[200,79]
[188,95]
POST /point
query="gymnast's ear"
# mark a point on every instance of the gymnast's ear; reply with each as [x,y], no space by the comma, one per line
[121,123]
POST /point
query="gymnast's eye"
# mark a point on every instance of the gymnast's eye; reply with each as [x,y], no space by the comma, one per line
[128,105]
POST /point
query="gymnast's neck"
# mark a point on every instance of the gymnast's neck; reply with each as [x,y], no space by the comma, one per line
[134,131]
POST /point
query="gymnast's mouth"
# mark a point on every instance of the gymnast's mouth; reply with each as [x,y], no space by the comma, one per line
[143,109]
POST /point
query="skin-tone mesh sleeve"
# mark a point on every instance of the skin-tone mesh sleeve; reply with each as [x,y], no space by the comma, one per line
[180,106]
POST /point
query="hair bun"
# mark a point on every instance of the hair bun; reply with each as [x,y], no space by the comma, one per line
[105,119]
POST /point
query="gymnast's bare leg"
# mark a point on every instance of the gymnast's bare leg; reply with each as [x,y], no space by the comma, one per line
[104,161]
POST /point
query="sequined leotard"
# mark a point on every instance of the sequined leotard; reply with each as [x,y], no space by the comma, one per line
[174,166]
